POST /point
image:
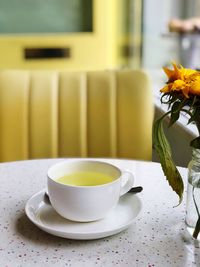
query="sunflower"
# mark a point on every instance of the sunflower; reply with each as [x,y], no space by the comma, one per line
[185,81]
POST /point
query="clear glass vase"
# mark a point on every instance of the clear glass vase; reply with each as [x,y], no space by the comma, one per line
[193,194]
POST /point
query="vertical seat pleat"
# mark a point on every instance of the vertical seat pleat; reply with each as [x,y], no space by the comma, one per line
[54,115]
[135,115]
[99,137]
[70,108]
[14,91]
[43,129]
[83,116]
[113,114]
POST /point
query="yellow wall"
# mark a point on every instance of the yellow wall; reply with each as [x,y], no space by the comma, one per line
[94,50]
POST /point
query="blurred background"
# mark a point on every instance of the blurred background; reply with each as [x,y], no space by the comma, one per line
[96,34]
[103,35]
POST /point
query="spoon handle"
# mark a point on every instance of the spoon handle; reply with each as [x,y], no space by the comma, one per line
[136,189]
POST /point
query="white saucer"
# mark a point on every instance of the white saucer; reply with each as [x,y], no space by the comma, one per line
[45,217]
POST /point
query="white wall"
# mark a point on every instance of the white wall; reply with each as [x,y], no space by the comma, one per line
[158,50]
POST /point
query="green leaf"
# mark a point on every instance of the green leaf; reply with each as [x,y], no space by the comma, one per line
[168,98]
[175,113]
[163,150]
[193,102]
[195,115]
[165,95]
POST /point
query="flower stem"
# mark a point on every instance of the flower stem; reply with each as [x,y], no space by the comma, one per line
[195,201]
[197,226]
[197,229]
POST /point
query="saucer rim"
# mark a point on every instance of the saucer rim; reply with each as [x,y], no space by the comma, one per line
[77,235]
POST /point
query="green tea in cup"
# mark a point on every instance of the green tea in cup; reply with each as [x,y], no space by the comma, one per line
[85,178]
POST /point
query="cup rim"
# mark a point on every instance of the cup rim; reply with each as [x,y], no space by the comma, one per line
[84,160]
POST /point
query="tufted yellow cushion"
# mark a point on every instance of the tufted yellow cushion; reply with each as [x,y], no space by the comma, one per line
[47,114]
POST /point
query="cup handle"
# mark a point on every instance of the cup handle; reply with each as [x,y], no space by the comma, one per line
[127,180]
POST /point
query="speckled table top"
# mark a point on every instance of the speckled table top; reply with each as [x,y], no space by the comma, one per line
[157,237]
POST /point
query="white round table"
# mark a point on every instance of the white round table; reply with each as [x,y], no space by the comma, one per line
[156,238]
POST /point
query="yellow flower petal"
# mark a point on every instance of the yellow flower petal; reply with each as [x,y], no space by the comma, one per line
[178,73]
[166,89]
[170,74]
[184,81]
[186,92]
[193,82]
[178,85]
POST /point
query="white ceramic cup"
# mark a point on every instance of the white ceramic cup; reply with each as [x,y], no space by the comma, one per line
[86,203]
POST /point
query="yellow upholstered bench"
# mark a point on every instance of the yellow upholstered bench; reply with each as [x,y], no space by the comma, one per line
[47,114]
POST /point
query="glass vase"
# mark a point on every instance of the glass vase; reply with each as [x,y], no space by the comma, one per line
[193,194]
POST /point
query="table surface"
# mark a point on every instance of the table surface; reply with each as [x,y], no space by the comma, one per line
[157,237]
